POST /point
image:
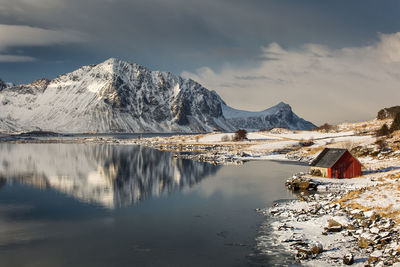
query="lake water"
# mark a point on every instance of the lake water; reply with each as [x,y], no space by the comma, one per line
[115,205]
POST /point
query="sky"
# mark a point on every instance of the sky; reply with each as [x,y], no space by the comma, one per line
[332,61]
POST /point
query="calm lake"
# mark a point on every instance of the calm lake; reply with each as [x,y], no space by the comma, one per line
[121,205]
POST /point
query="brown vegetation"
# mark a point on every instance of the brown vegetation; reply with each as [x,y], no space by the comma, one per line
[396,123]
[240,135]
[326,127]
[383,131]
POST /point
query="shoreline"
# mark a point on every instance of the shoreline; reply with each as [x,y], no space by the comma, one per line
[214,152]
[324,226]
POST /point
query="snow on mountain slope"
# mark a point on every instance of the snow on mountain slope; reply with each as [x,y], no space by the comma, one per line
[114,96]
[117,96]
[279,116]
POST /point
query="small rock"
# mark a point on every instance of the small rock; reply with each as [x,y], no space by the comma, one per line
[317,248]
[363,242]
[376,254]
[374,230]
[333,223]
[384,234]
[295,238]
[369,213]
[301,256]
[334,229]
[348,259]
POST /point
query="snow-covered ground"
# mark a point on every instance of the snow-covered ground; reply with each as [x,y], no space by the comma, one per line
[264,144]
[219,137]
[365,211]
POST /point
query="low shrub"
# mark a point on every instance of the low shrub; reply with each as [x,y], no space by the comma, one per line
[383,131]
[240,135]
[326,127]
[306,143]
[225,138]
[396,123]
[381,143]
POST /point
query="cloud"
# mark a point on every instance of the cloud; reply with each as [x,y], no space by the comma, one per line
[321,83]
[15,58]
[12,36]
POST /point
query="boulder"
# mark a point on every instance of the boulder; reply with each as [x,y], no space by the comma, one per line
[333,226]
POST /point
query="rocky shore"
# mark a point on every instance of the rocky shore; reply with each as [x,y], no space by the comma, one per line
[223,153]
[321,229]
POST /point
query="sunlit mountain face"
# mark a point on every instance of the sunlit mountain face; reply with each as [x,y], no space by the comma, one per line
[110,175]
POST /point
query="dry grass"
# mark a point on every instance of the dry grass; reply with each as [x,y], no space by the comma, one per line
[312,151]
[373,193]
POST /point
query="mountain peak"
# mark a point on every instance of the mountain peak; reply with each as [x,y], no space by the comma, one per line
[282,104]
[111,61]
[109,64]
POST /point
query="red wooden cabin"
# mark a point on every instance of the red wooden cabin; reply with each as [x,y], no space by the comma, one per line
[336,163]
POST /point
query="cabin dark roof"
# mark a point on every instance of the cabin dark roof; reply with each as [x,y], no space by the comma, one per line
[328,157]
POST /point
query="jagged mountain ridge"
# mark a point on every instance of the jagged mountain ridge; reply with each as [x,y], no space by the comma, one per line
[278,116]
[117,96]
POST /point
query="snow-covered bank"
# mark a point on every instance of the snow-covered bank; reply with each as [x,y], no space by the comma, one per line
[345,221]
[277,144]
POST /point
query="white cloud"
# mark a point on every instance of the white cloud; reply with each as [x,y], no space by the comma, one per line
[15,58]
[320,83]
[21,35]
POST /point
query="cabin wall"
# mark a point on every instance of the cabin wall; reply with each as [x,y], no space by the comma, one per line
[324,171]
[346,167]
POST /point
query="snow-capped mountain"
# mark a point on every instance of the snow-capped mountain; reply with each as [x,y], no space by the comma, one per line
[117,96]
[114,96]
[279,116]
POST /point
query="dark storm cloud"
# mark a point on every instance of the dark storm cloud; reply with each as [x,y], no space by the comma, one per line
[50,37]
[181,35]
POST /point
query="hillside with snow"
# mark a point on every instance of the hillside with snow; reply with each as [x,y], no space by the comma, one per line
[118,96]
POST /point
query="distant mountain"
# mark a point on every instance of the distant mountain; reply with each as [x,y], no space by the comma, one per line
[117,96]
[279,116]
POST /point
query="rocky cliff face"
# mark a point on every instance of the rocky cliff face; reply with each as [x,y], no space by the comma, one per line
[117,96]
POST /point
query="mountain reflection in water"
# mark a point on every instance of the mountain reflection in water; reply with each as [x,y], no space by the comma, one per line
[110,175]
